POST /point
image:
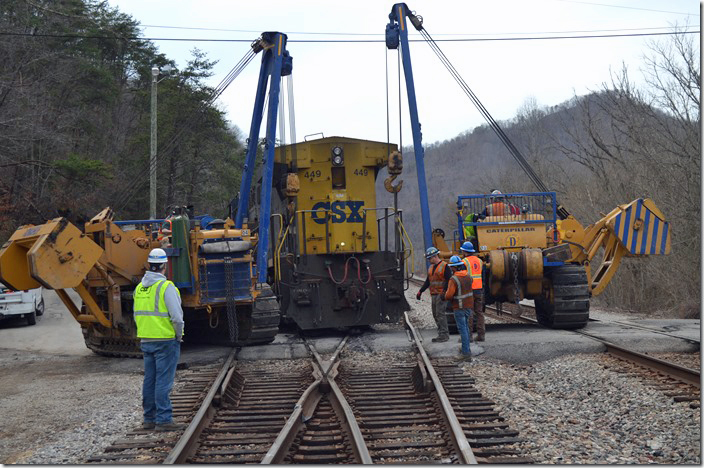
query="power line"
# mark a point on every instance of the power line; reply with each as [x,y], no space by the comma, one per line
[323,41]
[628,7]
[324,33]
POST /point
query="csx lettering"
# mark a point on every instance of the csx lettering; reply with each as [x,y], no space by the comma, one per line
[337,211]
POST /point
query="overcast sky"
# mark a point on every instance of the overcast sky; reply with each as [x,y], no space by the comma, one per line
[340,88]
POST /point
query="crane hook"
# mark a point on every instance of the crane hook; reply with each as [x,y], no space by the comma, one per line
[394,167]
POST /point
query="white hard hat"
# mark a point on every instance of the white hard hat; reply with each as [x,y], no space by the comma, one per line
[496,192]
[157,256]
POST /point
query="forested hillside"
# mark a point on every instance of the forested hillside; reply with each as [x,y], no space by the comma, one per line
[617,144]
[75,119]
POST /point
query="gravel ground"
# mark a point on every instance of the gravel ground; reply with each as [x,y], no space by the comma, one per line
[421,313]
[573,410]
[60,409]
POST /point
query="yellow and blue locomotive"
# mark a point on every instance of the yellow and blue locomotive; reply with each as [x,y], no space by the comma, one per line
[335,258]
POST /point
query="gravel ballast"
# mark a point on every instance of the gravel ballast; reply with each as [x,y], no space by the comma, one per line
[62,409]
[574,410]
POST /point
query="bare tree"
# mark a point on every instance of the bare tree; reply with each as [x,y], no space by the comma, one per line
[645,142]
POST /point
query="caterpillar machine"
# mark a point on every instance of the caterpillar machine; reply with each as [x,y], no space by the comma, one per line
[531,246]
[225,296]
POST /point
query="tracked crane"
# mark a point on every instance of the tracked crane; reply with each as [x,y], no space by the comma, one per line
[225,296]
[531,246]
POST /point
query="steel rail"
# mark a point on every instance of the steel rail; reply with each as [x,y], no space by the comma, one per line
[188,443]
[633,325]
[660,332]
[681,373]
[305,407]
[467,456]
[624,324]
[349,420]
[302,411]
[519,318]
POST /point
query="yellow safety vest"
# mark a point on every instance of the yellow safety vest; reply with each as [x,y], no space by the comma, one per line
[150,312]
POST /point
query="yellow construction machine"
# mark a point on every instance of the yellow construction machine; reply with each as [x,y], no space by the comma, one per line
[210,262]
[530,253]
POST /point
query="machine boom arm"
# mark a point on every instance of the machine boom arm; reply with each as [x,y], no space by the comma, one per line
[397,34]
[276,62]
[634,229]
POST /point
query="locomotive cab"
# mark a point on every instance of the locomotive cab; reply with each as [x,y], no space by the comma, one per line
[331,243]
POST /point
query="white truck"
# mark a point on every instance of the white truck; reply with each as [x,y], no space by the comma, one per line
[24,304]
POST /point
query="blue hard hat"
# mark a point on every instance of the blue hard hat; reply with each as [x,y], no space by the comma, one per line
[468,247]
[455,260]
[431,252]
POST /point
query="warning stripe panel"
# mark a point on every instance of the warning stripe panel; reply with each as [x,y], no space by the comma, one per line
[652,238]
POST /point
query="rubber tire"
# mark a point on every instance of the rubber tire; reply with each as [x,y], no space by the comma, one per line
[569,308]
[40,308]
[32,318]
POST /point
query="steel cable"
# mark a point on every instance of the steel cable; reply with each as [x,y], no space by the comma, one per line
[485,113]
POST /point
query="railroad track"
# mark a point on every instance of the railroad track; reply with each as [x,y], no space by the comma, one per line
[333,410]
[679,382]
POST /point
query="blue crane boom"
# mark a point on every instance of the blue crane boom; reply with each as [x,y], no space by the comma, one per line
[397,34]
[276,62]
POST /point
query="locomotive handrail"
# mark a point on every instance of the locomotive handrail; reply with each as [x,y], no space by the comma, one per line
[411,255]
[277,257]
[386,224]
[274,240]
[327,229]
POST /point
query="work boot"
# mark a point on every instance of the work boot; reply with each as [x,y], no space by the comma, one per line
[440,339]
[480,337]
[465,357]
[148,425]
[169,427]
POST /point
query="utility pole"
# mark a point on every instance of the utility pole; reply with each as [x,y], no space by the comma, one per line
[152,155]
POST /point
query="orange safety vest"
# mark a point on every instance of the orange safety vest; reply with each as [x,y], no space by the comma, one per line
[436,277]
[501,209]
[495,209]
[464,297]
[474,267]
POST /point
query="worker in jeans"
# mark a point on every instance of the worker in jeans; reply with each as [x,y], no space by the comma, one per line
[459,292]
[159,318]
[438,276]
[475,267]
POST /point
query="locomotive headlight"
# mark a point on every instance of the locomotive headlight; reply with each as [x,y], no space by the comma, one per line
[337,156]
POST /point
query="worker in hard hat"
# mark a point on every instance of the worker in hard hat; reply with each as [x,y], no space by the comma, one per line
[459,293]
[159,318]
[165,231]
[498,206]
[470,231]
[475,267]
[438,276]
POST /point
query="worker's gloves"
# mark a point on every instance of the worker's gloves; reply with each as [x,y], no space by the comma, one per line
[418,296]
